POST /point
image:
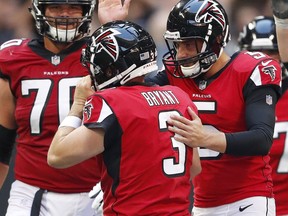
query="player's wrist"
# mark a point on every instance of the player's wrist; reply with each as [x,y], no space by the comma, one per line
[76,110]
[71,121]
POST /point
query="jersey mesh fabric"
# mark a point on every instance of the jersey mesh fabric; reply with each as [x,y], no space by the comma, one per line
[147,170]
[43,87]
[221,106]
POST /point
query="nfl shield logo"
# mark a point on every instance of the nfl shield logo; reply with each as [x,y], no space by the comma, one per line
[202,84]
[269,99]
[55,60]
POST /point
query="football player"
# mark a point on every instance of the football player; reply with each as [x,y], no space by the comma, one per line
[260,35]
[37,78]
[236,97]
[147,172]
[280,11]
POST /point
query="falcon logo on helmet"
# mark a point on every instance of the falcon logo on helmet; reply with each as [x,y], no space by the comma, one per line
[118,52]
[107,42]
[209,11]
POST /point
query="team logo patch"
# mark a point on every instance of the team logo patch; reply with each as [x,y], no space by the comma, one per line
[55,60]
[107,42]
[87,110]
[270,70]
[209,12]
[269,99]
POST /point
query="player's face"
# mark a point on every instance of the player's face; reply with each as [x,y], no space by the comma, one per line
[59,14]
[187,49]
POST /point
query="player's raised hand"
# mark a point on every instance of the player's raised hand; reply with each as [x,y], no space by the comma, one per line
[83,90]
[110,10]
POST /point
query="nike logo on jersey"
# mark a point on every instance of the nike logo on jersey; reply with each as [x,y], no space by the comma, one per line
[266,63]
[244,207]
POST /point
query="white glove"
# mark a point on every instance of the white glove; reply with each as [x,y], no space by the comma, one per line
[97,194]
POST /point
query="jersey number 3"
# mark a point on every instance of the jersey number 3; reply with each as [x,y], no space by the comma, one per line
[170,165]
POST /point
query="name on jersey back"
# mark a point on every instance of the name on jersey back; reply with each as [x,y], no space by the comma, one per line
[158,98]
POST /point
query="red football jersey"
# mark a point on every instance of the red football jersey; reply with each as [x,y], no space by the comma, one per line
[279,155]
[221,106]
[147,171]
[43,85]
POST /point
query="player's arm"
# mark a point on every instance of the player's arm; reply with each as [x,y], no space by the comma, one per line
[257,140]
[7,128]
[282,38]
[196,164]
[110,10]
[260,121]
[71,146]
[73,142]
[280,11]
[194,134]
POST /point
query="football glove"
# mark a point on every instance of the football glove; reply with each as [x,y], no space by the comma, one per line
[97,194]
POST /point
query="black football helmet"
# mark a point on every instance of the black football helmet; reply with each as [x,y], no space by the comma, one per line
[62,35]
[118,52]
[204,20]
[259,34]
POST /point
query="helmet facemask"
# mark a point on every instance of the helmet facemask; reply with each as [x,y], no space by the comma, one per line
[50,26]
[196,20]
[189,66]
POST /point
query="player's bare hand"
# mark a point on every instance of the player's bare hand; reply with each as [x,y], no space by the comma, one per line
[110,10]
[83,90]
[190,132]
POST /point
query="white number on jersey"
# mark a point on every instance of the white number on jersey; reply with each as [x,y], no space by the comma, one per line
[43,87]
[280,128]
[14,42]
[256,55]
[170,166]
[207,106]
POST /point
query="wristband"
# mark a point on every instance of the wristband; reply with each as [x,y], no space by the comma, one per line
[71,121]
[281,23]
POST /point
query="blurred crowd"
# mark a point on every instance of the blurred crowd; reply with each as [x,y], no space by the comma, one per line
[17,22]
